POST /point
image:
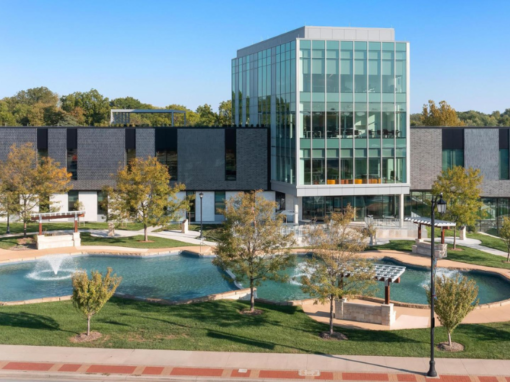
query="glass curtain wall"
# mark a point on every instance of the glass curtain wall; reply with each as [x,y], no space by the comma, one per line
[263,94]
[352,112]
[377,206]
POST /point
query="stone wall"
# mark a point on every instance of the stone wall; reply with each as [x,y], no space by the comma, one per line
[382,314]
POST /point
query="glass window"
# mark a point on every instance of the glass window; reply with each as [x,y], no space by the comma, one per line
[102,203]
[361,171]
[219,202]
[452,158]
[347,124]
[504,163]
[374,170]
[333,124]
[72,163]
[130,155]
[169,159]
[346,170]
[333,174]
[72,201]
[318,170]
[388,170]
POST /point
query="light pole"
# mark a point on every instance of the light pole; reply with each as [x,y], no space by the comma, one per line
[201,216]
[441,208]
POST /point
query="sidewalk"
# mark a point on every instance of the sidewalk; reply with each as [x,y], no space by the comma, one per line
[65,361]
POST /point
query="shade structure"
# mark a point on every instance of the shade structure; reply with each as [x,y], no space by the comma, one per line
[443,224]
[58,215]
[383,272]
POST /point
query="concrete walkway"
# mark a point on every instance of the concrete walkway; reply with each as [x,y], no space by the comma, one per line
[73,361]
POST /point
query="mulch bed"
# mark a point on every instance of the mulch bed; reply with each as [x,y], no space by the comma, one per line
[334,336]
[84,338]
[456,347]
[256,312]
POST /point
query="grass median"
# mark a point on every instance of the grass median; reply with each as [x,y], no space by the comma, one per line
[218,326]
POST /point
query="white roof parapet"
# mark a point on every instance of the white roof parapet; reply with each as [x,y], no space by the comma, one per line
[428,221]
[385,272]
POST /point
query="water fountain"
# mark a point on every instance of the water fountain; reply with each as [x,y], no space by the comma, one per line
[51,268]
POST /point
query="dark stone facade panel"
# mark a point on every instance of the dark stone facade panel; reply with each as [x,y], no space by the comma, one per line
[426,157]
[145,144]
[57,145]
[17,135]
[481,151]
[100,153]
[252,165]
[201,159]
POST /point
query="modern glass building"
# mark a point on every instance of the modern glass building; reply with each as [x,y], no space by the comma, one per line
[336,100]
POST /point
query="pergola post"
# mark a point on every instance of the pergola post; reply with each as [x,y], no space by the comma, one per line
[75,223]
[419,231]
[387,292]
[442,235]
[40,225]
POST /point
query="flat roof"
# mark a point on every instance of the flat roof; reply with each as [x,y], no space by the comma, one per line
[321,33]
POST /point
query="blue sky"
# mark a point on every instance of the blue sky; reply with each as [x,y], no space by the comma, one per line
[165,52]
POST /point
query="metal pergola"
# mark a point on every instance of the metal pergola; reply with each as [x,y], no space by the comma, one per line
[58,215]
[386,273]
[443,224]
[122,116]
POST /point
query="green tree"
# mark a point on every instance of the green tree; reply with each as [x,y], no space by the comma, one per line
[461,190]
[225,113]
[206,115]
[6,116]
[504,233]
[336,248]
[96,107]
[455,298]
[251,243]
[143,194]
[191,117]
[90,295]
[445,115]
[41,95]
[33,179]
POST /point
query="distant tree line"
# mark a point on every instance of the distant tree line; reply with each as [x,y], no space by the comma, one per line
[445,115]
[42,107]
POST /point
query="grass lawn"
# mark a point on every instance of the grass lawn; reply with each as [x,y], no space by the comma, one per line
[133,241]
[463,254]
[487,241]
[211,231]
[34,227]
[217,326]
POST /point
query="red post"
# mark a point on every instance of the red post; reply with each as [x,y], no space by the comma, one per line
[386,292]
[75,224]
[419,231]
[40,227]
[442,235]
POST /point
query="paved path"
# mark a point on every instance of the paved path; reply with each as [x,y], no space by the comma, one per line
[67,361]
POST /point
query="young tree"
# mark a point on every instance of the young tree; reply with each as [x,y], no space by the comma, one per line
[461,190]
[90,295]
[455,298]
[445,115]
[252,244]
[336,249]
[504,232]
[143,194]
[9,203]
[33,179]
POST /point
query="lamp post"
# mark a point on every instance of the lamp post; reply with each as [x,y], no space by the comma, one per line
[201,216]
[441,208]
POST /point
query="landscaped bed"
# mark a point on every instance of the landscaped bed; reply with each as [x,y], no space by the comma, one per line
[218,326]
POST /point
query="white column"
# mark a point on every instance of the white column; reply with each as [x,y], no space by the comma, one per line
[296,211]
[401,210]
